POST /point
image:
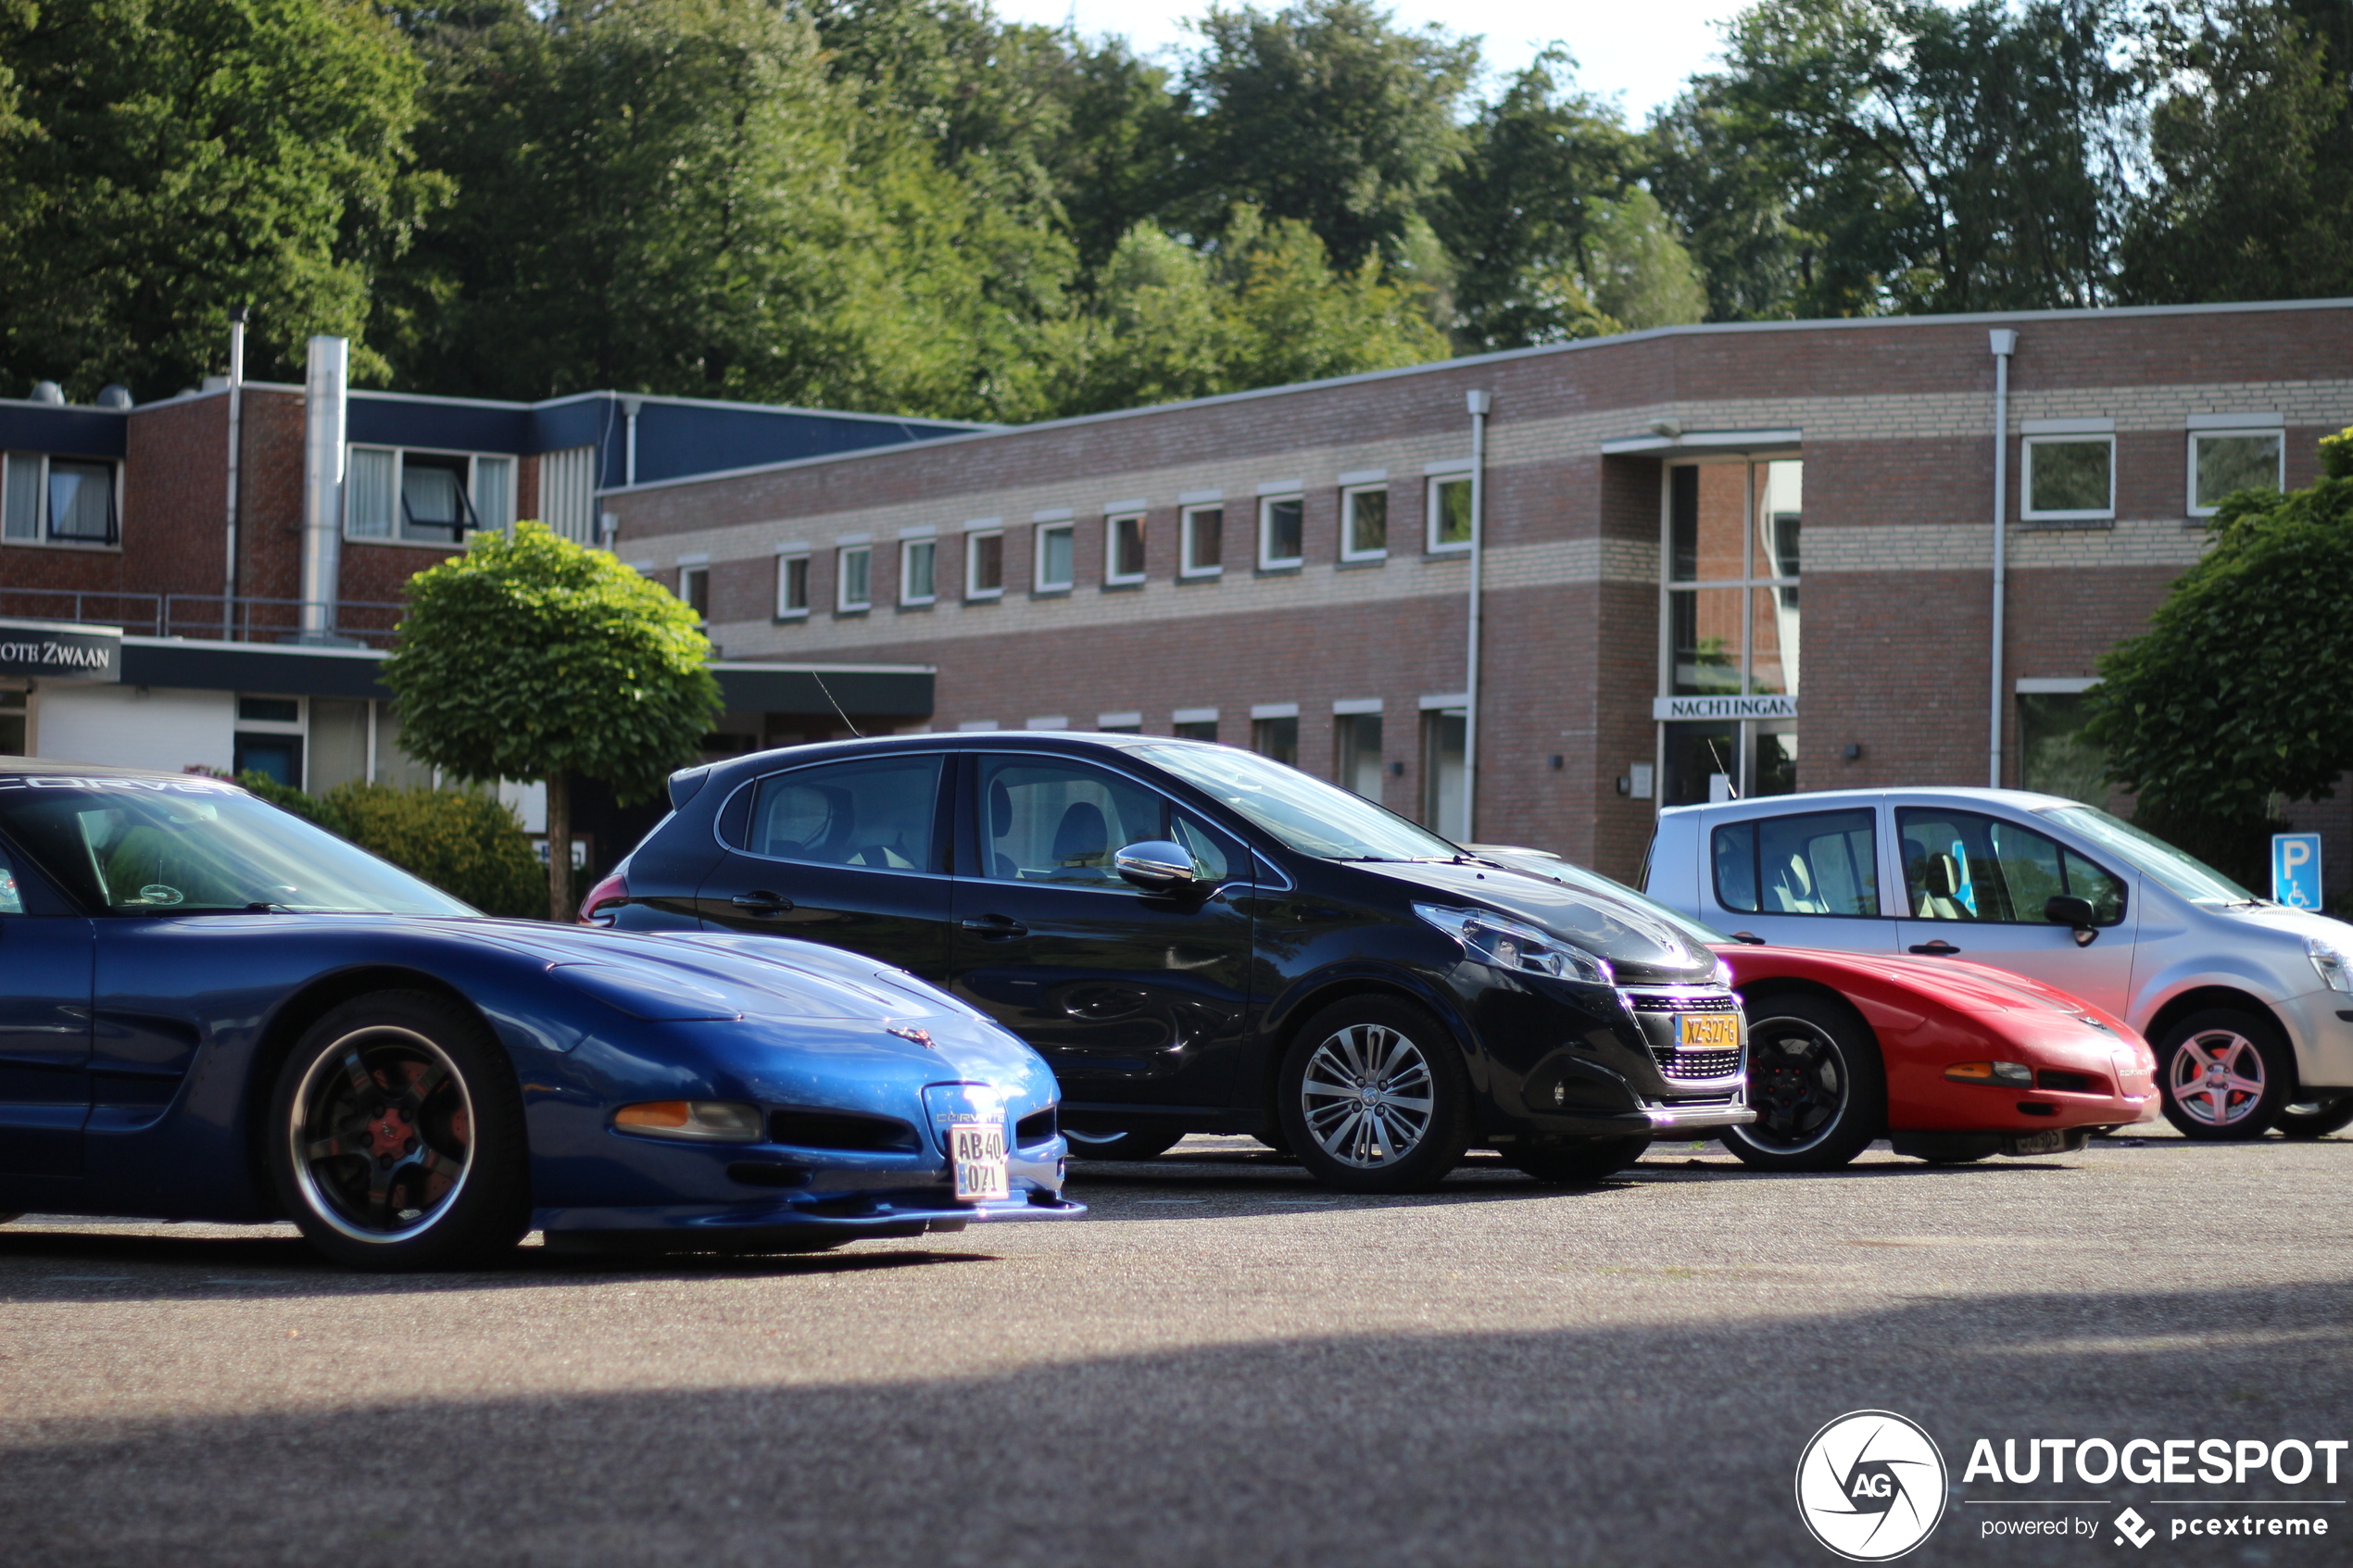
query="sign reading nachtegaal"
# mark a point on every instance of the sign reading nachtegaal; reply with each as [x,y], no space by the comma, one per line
[60,651]
[1763,706]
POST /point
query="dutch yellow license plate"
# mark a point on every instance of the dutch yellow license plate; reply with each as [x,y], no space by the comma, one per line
[1708,1030]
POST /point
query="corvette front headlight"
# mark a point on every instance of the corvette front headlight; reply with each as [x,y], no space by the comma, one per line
[2336,969]
[1509,945]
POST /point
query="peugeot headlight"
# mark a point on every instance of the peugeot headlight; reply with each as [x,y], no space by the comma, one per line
[1723,975]
[1509,945]
[2336,969]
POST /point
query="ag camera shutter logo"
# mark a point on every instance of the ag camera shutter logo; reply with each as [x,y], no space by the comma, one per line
[1870,1486]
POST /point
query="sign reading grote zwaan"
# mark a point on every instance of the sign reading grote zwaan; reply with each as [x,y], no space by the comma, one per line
[55,651]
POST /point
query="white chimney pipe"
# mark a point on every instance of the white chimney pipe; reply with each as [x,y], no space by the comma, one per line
[324,401]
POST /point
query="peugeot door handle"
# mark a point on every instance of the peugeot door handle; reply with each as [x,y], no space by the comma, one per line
[1000,926]
[1939,948]
[761,903]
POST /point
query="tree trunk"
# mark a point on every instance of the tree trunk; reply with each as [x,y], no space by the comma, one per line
[559,907]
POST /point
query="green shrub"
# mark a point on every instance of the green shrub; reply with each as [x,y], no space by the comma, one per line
[468,844]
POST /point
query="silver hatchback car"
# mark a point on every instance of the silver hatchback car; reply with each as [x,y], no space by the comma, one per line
[2248,1004]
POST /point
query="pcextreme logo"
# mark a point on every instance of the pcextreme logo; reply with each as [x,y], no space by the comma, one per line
[1870,1486]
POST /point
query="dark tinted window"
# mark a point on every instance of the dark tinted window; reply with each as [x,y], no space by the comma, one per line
[1960,866]
[1812,863]
[874,811]
[1062,821]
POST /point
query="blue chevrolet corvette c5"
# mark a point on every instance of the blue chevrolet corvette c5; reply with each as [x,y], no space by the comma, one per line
[210,1008]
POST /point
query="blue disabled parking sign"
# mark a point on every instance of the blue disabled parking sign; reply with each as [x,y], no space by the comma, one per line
[2295,870]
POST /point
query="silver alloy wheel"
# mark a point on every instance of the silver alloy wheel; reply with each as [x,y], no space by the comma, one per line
[1368,1097]
[2216,1077]
[381,1135]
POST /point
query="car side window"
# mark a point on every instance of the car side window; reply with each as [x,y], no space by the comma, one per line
[874,811]
[1809,863]
[1961,866]
[11,896]
[1061,822]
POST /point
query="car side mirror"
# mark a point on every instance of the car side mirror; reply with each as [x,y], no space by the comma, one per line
[1155,865]
[2066,908]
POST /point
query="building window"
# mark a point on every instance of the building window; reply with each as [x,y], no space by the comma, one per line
[917,558]
[1120,723]
[854,578]
[2224,461]
[426,497]
[2068,478]
[59,500]
[568,493]
[984,565]
[1056,557]
[16,721]
[1364,523]
[694,586]
[1356,753]
[1194,724]
[2053,755]
[1442,795]
[1450,513]
[792,587]
[1731,558]
[1203,543]
[1276,739]
[268,739]
[1280,531]
[1124,549]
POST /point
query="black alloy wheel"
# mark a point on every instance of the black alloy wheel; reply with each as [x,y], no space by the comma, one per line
[1373,1098]
[2225,1075]
[1564,1162]
[2315,1118]
[1120,1145]
[396,1137]
[1815,1082]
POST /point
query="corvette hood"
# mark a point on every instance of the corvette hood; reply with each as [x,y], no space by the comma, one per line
[1965,988]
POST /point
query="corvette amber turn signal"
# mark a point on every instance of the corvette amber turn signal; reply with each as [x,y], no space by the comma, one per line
[2012,1073]
[704,1121]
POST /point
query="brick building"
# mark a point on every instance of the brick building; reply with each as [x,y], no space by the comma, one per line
[1748,557]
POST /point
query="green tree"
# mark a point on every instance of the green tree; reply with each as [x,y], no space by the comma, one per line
[2242,689]
[164,160]
[534,658]
[1325,113]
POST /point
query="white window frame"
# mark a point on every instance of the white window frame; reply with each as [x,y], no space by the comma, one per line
[1268,562]
[2198,433]
[399,466]
[785,610]
[973,590]
[1430,514]
[41,519]
[690,570]
[1111,547]
[1348,521]
[843,602]
[1185,567]
[907,548]
[1038,557]
[2026,445]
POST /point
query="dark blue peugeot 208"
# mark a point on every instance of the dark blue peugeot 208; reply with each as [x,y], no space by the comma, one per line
[1200,939]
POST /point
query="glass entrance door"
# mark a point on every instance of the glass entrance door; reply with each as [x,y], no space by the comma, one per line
[1728,624]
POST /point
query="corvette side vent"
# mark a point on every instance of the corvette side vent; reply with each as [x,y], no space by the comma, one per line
[841,1129]
[1036,1127]
[2067,1083]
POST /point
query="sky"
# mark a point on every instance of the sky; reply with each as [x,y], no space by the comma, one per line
[1642,54]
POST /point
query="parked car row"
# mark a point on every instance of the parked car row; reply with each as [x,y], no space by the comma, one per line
[887,987]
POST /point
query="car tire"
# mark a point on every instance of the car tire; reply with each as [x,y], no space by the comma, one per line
[1815,1082]
[395,1137]
[1567,1162]
[2315,1118]
[1120,1145]
[2225,1075]
[1373,1097]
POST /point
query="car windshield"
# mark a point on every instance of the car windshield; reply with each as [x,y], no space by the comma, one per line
[2152,857]
[194,846]
[1307,814]
[1594,882]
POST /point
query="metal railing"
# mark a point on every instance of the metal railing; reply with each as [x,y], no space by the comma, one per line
[244,619]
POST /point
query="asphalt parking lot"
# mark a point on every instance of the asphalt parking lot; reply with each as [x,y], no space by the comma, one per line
[1225,1365]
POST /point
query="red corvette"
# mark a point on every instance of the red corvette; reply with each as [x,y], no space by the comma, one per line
[1948,1061]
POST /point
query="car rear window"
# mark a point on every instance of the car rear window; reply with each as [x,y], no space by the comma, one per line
[1808,863]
